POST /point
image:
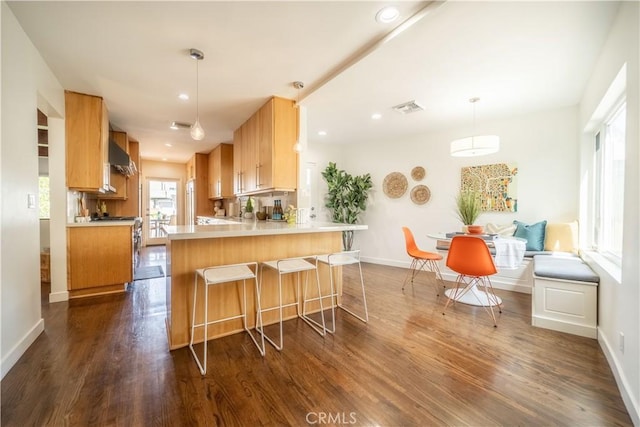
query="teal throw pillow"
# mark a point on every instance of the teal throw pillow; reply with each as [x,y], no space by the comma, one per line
[534,234]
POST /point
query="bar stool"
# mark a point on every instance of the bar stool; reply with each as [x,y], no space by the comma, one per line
[339,259]
[217,275]
[289,266]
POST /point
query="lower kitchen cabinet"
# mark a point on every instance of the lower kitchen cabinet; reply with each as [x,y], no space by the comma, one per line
[99,259]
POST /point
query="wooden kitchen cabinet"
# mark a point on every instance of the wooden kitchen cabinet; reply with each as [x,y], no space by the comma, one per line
[131,206]
[87,142]
[221,172]
[117,179]
[99,259]
[245,156]
[249,156]
[237,160]
[191,168]
[266,146]
[198,172]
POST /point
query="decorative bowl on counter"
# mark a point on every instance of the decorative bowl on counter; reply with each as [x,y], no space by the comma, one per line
[261,215]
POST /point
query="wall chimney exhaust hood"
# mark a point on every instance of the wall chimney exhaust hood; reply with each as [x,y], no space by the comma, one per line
[119,159]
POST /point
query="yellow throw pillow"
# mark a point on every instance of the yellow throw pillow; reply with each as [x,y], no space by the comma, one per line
[561,237]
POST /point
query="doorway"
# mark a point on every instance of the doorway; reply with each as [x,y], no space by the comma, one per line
[161,209]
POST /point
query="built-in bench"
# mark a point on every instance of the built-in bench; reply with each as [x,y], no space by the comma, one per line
[565,295]
[564,289]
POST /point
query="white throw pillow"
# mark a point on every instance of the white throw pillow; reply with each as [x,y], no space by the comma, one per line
[501,230]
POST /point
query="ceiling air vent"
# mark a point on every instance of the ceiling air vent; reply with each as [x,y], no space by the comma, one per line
[408,107]
[179,125]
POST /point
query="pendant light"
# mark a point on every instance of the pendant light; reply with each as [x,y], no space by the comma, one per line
[297,147]
[197,132]
[475,145]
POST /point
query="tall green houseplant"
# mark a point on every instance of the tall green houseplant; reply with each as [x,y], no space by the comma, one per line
[346,198]
[468,206]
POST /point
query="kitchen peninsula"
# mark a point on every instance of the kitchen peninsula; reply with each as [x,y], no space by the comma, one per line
[191,247]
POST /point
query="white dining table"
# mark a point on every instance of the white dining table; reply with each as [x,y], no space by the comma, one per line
[509,255]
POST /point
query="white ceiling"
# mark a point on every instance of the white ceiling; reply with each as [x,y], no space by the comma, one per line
[517,57]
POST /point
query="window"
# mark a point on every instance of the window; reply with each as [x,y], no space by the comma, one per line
[44,197]
[609,184]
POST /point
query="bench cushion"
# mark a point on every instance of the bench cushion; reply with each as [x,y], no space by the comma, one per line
[563,268]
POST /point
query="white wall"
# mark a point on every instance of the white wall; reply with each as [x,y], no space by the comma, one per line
[26,83]
[618,300]
[544,146]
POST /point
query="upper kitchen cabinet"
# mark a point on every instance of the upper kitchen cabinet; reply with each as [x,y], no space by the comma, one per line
[237,160]
[198,172]
[265,143]
[118,181]
[87,142]
[221,172]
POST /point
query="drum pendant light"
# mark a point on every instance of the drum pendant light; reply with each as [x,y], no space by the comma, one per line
[475,145]
[197,132]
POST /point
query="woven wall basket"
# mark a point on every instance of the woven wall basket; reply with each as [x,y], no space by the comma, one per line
[395,185]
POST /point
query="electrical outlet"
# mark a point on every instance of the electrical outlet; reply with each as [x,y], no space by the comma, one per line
[621,342]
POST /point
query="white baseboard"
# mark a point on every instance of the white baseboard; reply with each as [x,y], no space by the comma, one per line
[630,402]
[563,326]
[59,296]
[389,262]
[18,350]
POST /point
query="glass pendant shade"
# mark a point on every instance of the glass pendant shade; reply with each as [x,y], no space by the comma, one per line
[197,132]
[478,145]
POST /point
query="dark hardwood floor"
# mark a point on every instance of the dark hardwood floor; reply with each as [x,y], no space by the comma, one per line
[104,361]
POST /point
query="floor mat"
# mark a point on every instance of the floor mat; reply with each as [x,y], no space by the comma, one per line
[148,272]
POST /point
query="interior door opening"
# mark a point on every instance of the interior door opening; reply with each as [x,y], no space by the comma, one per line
[161,209]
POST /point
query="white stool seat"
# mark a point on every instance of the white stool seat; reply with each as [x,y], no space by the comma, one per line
[338,259]
[224,274]
[288,266]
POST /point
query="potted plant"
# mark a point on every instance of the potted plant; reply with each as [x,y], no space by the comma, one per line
[346,198]
[469,204]
[248,209]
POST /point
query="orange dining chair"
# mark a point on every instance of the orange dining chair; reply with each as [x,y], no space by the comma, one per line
[421,260]
[469,256]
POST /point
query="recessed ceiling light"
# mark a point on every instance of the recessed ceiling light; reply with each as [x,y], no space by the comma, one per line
[387,14]
[322,132]
[183,96]
[168,145]
[376,116]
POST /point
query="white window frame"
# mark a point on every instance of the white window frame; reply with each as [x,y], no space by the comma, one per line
[603,229]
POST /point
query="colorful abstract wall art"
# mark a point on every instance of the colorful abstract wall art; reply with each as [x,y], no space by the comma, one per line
[497,185]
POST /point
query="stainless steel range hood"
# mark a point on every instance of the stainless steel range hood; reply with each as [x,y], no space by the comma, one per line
[119,159]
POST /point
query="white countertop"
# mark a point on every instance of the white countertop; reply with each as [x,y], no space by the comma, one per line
[225,228]
[100,224]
